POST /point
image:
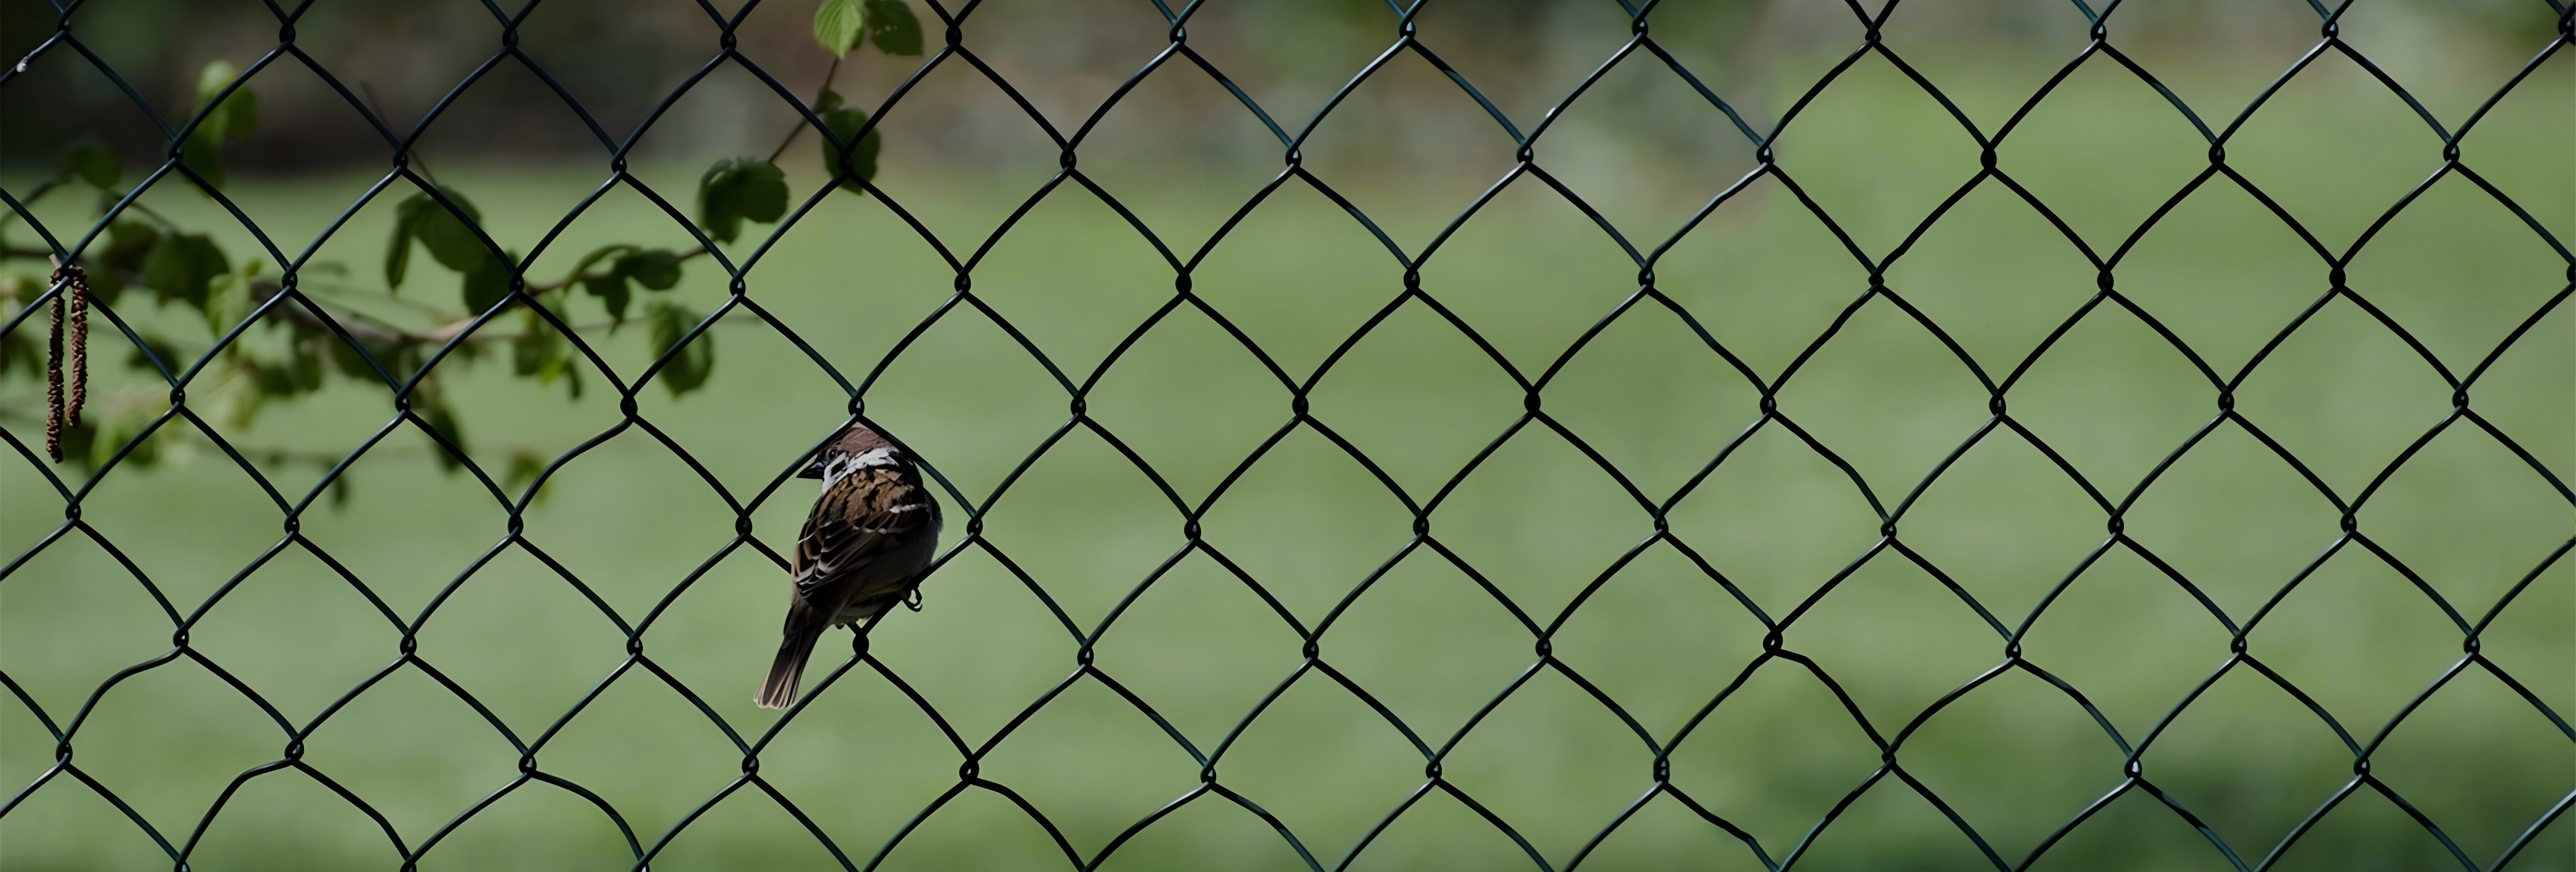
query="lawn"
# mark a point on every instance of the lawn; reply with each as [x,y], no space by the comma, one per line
[1537,519]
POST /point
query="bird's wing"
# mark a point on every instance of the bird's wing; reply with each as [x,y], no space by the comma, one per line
[863,518]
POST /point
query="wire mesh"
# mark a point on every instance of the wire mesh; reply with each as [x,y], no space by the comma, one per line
[952,46]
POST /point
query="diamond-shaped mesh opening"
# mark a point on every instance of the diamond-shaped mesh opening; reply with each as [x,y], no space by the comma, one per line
[1501,449]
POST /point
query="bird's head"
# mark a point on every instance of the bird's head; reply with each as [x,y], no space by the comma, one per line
[855,448]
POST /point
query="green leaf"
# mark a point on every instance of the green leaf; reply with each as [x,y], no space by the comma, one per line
[450,240]
[524,468]
[231,120]
[128,243]
[598,255]
[838,25]
[183,266]
[398,249]
[127,240]
[227,301]
[240,114]
[106,287]
[405,358]
[538,347]
[16,352]
[213,78]
[88,159]
[845,123]
[351,363]
[736,188]
[655,268]
[241,397]
[892,27]
[487,285]
[274,381]
[612,292]
[103,439]
[687,369]
[204,156]
[237,115]
[760,192]
[443,419]
[306,365]
[161,348]
[541,351]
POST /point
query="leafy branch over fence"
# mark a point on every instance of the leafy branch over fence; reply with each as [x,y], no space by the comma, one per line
[328,333]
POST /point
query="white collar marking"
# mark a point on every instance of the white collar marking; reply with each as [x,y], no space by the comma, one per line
[873,457]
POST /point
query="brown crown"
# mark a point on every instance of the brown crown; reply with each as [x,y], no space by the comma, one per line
[859,440]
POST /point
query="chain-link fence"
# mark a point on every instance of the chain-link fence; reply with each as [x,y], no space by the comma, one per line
[403,365]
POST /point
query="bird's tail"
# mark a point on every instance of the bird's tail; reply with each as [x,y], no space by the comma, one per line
[788,671]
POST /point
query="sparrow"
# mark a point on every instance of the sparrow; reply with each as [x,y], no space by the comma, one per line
[863,549]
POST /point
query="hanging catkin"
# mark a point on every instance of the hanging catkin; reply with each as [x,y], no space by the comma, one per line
[54,382]
[77,340]
[63,409]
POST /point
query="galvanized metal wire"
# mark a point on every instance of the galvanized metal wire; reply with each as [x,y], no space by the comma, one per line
[951,46]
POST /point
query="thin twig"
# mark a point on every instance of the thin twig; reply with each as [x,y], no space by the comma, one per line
[47,186]
[323,290]
[567,281]
[819,91]
[379,108]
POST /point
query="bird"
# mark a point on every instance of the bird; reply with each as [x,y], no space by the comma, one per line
[864,547]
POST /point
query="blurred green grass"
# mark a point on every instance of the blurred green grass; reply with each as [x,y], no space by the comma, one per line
[1538,520]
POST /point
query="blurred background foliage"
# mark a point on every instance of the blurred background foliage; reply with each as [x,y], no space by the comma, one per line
[621,59]
[1537,520]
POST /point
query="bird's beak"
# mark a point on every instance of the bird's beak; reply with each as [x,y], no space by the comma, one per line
[814,470]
